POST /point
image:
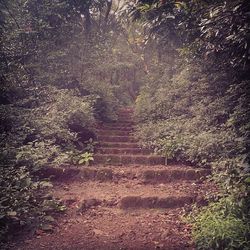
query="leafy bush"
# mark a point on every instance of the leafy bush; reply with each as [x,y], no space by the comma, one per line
[56,83]
[200,119]
[219,226]
[36,155]
[196,108]
[86,158]
[232,176]
[178,139]
[41,135]
[62,107]
[23,201]
[187,118]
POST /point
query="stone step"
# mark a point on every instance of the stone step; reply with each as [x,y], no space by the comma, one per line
[119,145]
[109,138]
[125,114]
[120,124]
[125,117]
[137,202]
[123,151]
[146,175]
[113,132]
[170,175]
[109,228]
[126,111]
[131,195]
[107,127]
[114,159]
[125,120]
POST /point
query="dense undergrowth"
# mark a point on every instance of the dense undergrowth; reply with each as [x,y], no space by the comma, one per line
[61,74]
[194,107]
[68,65]
[188,121]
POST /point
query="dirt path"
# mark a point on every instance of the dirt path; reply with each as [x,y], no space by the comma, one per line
[127,200]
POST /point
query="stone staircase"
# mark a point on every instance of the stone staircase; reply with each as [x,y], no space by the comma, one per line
[118,146]
[127,200]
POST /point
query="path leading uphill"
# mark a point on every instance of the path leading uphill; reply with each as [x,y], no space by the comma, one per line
[127,200]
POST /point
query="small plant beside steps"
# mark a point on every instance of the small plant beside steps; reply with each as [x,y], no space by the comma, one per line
[86,158]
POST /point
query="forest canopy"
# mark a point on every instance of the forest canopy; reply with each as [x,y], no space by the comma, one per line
[68,65]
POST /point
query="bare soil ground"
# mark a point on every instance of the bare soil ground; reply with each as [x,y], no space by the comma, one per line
[103,215]
[126,202]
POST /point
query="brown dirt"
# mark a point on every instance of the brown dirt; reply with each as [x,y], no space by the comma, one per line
[105,228]
[100,215]
[136,206]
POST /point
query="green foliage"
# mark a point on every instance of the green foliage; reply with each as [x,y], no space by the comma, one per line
[194,108]
[232,176]
[41,135]
[90,145]
[23,200]
[56,82]
[191,118]
[63,108]
[36,155]
[219,226]
[61,73]
[18,193]
[86,158]
[184,119]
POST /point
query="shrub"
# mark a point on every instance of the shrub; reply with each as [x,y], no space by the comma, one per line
[62,107]
[35,133]
[203,119]
[23,201]
[36,155]
[219,226]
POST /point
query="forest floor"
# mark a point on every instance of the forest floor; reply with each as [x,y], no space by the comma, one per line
[128,200]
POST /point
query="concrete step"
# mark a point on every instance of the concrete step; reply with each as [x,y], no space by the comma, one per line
[109,138]
[123,151]
[114,159]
